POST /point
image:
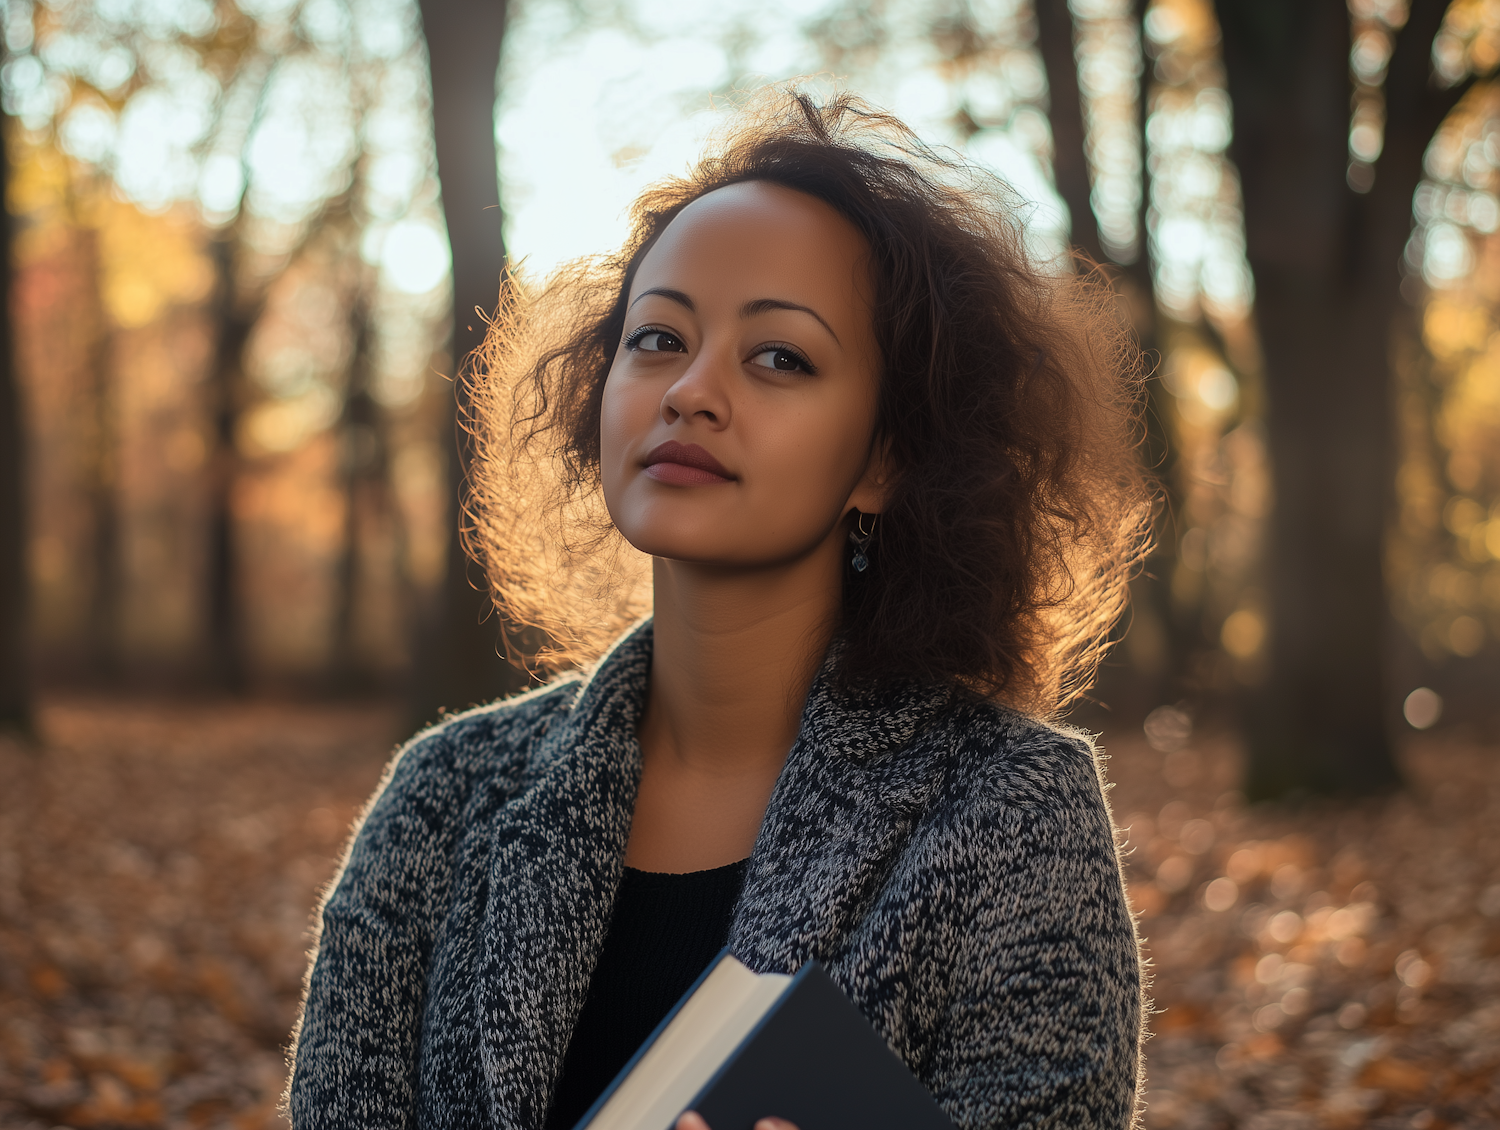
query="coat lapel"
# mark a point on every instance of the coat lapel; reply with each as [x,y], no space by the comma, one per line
[841,810]
[557,857]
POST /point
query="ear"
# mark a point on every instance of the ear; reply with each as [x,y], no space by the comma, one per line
[873,490]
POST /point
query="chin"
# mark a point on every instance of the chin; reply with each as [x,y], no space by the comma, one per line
[678,547]
[725,550]
[678,532]
[715,534]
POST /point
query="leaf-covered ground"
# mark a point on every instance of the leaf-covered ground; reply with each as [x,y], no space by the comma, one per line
[1335,965]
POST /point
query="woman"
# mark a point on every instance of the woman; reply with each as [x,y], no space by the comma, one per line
[882,469]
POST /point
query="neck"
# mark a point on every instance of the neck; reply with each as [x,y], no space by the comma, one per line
[734,655]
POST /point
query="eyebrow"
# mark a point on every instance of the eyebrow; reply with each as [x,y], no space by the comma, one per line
[667,292]
[763,305]
[749,309]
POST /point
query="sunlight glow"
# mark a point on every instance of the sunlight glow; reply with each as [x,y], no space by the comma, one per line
[158,129]
[300,150]
[590,113]
[414,257]
[1447,557]
[1196,220]
[1109,75]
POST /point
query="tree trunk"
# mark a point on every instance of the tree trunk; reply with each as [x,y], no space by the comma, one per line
[363,442]
[458,661]
[1325,261]
[1180,636]
[15,683]
[1161,679]
[225,638]
[1070,165]
[107,597]
[237,309]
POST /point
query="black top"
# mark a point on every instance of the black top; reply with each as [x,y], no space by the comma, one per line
[664,932]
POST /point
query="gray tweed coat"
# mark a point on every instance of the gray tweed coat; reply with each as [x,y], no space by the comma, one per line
[954,869]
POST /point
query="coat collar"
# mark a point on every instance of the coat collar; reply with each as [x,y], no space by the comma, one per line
[859,775]
[555,864]
[559,848]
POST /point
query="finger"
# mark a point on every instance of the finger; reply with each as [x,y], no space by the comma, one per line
[691,1120]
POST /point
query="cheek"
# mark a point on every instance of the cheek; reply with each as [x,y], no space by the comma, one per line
[815,457]
[613,440]
[620,411]
[629,409]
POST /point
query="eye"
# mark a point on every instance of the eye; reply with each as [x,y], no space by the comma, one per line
[782,358]
[655,341]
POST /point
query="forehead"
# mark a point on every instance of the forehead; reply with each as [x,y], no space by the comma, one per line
[755,233]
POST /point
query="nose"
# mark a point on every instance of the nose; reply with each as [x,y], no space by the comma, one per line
[701,393]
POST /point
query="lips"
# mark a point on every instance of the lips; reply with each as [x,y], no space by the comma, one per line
[685,464]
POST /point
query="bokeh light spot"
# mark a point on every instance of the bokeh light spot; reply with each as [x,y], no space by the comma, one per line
[1422,708]
[1243,633]
[1221,894]
[414,257]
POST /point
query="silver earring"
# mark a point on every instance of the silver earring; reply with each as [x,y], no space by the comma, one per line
[859,537]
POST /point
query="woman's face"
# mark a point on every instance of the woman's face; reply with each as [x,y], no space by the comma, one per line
[738,415]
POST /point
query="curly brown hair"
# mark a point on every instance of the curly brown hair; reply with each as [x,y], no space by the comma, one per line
[1007,400]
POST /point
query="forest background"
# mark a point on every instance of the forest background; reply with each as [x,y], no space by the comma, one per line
[230,460]
[251,243]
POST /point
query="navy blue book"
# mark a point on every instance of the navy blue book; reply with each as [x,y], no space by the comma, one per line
[741,1046]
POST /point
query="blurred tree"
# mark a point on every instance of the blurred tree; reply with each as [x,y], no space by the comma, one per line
[239,303]
[458,660]
[1325,259]
[204,109]
[1070,165]
[245,278]
[1174,638]
[239,299]
[15,689]
[234,317]
[364,463]
[103,472]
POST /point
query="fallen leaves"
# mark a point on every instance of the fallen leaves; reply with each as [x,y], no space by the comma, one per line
[1328,964]
[157,870]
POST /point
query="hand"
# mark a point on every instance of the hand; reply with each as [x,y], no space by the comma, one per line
[692,1120]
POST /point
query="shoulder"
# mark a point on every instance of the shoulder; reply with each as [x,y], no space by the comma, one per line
[483,731]
[1027,760]
[1002,764]
[477,745]
[1007,754]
